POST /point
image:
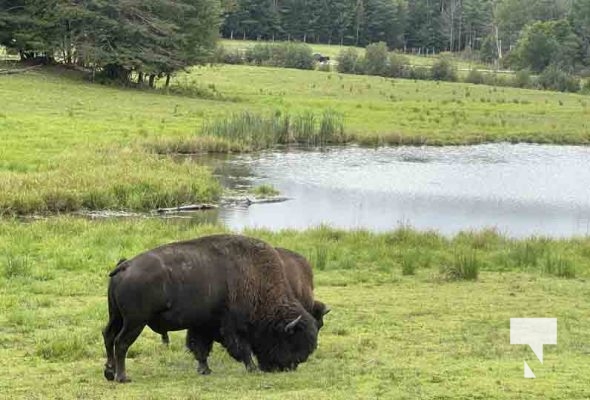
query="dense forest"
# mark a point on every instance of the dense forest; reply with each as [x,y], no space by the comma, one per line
[158,37]
[494,27]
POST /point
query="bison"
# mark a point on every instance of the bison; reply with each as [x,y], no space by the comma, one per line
[300,278]
[227,288]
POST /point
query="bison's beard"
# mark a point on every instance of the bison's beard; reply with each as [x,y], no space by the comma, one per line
[277,350]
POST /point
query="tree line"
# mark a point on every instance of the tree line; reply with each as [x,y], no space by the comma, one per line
[151,38]
[492,27]
[148,39]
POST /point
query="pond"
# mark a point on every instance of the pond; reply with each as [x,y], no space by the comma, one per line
[520,189]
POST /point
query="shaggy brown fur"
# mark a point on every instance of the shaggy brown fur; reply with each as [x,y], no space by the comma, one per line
[230,288]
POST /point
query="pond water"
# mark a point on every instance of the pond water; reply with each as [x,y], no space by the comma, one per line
[520,189]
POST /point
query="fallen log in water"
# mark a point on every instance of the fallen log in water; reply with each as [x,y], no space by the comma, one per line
[247,201]
[191,207]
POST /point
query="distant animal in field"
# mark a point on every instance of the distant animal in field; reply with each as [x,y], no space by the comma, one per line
[300,278]
[227,288]
[320,58]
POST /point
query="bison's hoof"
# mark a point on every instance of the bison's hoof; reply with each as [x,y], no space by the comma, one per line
[122,379]
[109,374]
[204,370]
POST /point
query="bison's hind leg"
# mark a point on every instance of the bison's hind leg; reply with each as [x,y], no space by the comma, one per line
[200,343]
[131,330]
[109,334]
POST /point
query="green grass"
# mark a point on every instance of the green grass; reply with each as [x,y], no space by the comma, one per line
[264,191]
[388,335]
[378,110]
[69,145]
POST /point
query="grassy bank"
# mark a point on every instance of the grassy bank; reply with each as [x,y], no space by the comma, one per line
[390,335]
[67,143]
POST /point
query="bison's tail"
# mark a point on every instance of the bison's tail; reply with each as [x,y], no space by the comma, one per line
[121,266]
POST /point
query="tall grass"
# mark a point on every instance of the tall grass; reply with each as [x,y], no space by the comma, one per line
[110,180]
[252,131]
[265,190]
[555,264]
[465,267]
[16,266]
[320,257]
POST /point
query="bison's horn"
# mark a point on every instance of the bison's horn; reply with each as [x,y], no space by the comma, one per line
[327,310]
[292,324]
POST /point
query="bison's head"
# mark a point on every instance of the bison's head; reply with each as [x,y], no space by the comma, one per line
[282,345]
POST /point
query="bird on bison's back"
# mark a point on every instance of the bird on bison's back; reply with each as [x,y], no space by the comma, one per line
[227,288]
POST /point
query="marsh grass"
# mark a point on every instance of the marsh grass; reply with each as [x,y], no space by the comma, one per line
[321,257]
[264,191]
[253,131]
[527,254]
[408,266]
[415,259]
[557,265]
[106,180]
[464,267]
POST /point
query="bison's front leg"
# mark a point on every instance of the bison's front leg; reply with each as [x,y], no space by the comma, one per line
[165,338]
[233,333]
[200,343]
[240,349]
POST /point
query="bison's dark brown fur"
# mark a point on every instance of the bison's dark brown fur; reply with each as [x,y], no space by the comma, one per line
[299,275]
[229,288]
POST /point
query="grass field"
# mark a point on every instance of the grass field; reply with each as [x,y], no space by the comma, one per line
[415,315]
[397,111]
[333,51]
[69,144]
[394,332]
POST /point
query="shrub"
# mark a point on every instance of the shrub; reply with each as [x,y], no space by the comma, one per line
[444,70]
[259,54]
[497,80]
[522,79]
[376,58]
[553,78]
[349,62]
[292,55]
[418,73]
[285,55]
[475,77]
[397,65]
